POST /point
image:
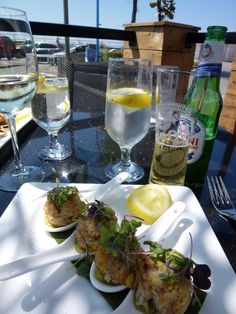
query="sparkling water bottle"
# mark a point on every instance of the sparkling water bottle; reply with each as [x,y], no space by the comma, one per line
[211,58]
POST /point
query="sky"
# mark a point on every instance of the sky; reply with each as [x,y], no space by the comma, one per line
[115,13]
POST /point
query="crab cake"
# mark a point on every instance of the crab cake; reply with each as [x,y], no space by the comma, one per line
[159,290]
[89,226]
[63,206]
[116,256]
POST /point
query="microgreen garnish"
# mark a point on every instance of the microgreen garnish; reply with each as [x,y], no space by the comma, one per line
[120,240]
[177,265]
[60,195]
[57,182]
[133,216]
[98,210]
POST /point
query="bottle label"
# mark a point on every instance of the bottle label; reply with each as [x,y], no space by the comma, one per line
[213,68]
[197,143]
[211,57]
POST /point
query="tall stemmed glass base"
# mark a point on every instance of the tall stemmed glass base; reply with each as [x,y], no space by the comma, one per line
[55,150]
[135,171]
[11,180]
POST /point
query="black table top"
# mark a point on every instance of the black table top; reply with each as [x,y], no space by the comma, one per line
[93,150]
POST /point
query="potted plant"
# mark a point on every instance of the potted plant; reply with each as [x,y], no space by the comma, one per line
[165,9]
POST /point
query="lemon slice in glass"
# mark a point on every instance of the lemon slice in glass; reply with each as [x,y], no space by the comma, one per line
[135,98]
[149,202]
[41,79]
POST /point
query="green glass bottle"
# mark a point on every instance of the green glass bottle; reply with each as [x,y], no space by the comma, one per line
[211,58]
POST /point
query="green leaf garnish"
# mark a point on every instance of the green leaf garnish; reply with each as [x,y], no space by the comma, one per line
[60,195]
[100,211]
[177,266]
[120,240]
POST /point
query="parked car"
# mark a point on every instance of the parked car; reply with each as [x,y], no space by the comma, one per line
[82,48]
[84,53]
[28,46]
[78,49]
[46,48]
[7,47]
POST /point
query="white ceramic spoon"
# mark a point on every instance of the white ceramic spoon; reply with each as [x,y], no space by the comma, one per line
[127,306]
[98,194]
[48,228]
[103,286]
[62,252]
[155,232]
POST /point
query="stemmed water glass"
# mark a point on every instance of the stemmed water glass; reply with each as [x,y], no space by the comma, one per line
[51,108]
[18,75]
[128,108]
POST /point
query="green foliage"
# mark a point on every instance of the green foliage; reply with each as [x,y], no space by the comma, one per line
[105,54]
[118,240]
[100,212]
[60,195]
[165,9]
[177,265]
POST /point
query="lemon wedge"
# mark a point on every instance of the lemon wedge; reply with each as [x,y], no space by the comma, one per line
[41,79]
[46,85]
[66,104]
[149,202]
[22,115]
[131,97]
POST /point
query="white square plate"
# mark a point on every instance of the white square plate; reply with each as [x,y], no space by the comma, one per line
[57,289]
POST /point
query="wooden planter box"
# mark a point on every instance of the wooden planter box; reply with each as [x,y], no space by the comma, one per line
[228,113]
[164,42]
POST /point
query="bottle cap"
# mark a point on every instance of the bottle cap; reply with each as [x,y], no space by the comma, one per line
[216,32]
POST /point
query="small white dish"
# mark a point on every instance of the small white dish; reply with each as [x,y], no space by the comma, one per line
[103,286]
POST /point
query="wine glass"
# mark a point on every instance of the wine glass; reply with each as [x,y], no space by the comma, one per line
[128,109]
[51,108]
[18,75]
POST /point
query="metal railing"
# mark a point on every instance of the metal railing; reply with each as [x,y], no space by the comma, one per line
[195,38]
[64,30]
[67,30]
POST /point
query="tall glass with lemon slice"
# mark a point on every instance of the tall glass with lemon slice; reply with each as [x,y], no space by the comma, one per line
[51,110]
[128,108]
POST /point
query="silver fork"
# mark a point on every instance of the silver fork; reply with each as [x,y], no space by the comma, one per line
[220,197]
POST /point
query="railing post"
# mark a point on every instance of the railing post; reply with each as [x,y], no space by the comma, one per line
[66,21]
